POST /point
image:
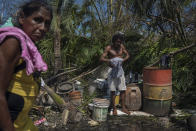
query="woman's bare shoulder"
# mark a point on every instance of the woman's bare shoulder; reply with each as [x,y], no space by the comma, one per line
[10,47]
[11,42]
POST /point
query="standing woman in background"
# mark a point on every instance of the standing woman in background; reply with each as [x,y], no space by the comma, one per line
[19,60]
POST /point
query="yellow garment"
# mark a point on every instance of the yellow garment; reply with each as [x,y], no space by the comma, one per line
[22,84]
[26,87]
[23,122]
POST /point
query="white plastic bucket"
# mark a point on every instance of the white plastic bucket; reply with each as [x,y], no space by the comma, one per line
[100,109]
[100,113]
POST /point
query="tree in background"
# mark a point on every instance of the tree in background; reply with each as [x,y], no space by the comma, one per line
[57,5]
[169,26]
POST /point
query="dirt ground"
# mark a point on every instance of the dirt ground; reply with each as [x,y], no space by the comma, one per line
[114,123]
[53,121]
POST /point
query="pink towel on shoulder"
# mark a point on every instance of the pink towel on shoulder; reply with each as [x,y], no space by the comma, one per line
[30,54]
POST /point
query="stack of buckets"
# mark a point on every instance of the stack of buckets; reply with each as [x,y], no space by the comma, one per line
[100,109]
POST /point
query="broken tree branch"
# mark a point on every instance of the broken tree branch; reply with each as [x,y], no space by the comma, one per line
[61,74]
[172,54]
[83,74]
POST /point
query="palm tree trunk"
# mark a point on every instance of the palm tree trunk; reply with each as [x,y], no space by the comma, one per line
[57,51]
[57,35]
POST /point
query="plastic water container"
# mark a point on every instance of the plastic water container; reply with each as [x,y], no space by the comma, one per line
[133,97]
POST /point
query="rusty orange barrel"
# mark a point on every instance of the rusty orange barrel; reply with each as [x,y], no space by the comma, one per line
[157,90]
[156,76]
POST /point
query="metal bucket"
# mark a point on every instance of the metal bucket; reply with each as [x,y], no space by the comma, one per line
[64,87]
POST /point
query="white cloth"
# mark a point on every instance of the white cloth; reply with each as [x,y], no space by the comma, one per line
[117,70]
[117,84]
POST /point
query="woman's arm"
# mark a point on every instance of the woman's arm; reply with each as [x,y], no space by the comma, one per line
[9,56]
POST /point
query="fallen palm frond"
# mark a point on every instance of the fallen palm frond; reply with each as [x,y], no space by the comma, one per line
[57,99]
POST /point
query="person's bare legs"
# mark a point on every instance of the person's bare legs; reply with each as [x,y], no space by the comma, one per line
[113,96]
[122,96]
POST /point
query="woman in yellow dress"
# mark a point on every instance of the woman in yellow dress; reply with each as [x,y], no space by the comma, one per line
[19,60]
